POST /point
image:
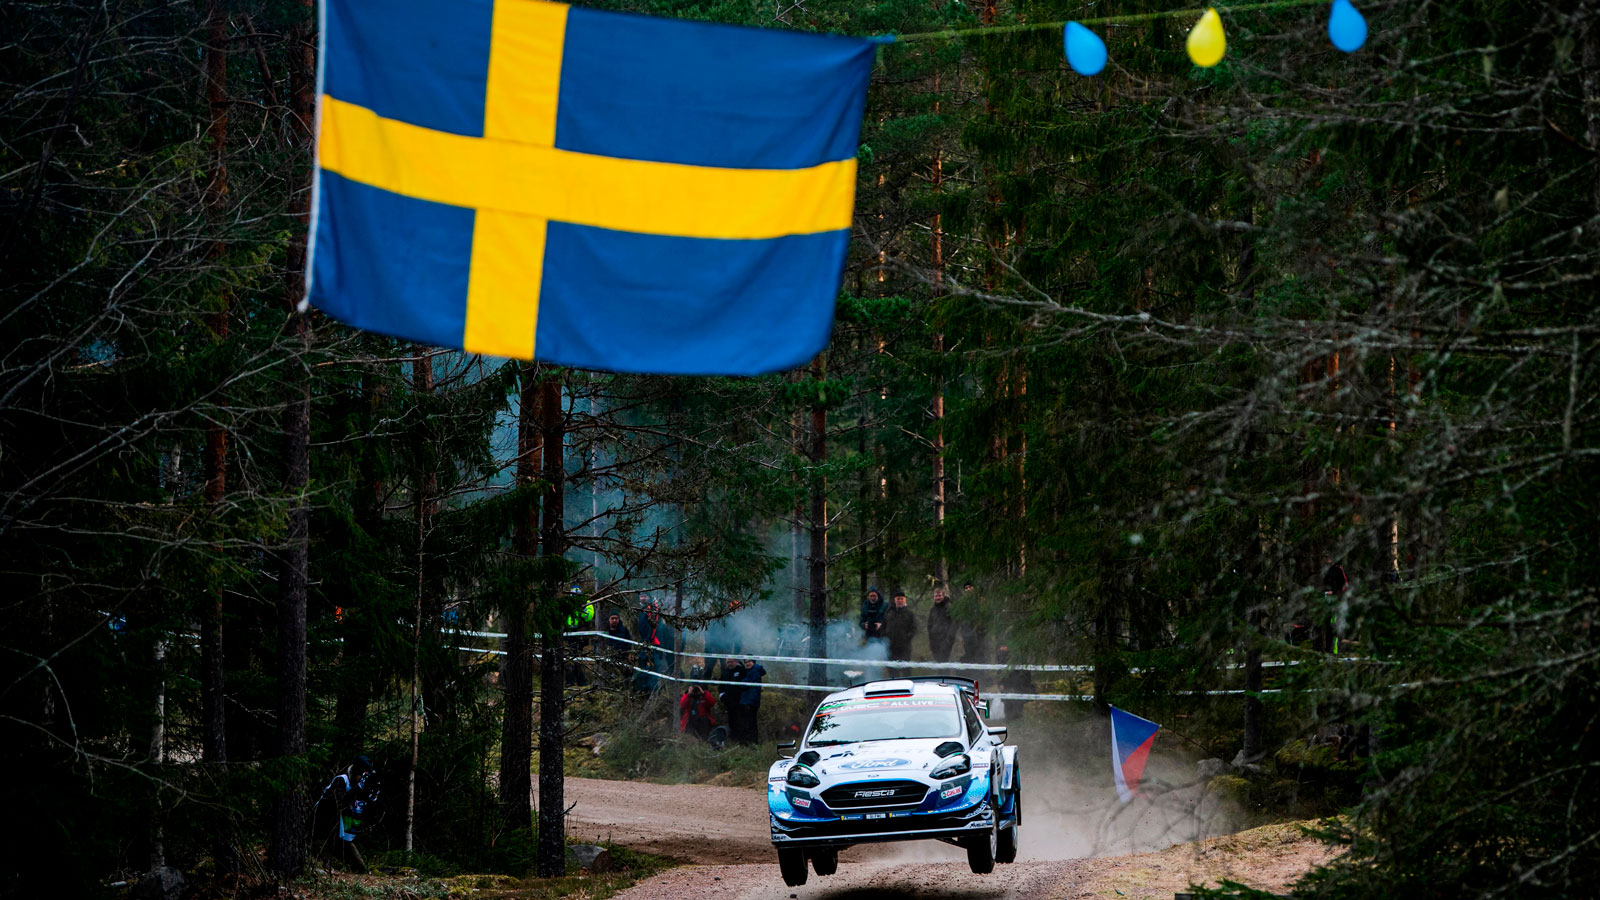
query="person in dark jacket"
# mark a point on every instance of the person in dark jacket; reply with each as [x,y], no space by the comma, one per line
[655,655]
[348,799]
[941,627]
[616,629]
[900,626]
[974,641]
[750,701]
[732,695]
[873,610]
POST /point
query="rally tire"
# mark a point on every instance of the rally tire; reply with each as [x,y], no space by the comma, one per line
[981,852]
[825,862]
[792,863]
[1006,845]
[1009,837]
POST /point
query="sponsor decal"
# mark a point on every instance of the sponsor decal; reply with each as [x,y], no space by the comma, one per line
[884,763]
[852,816]
[947,793]
[777,778]
[877,815]
[801,802]
[862,706]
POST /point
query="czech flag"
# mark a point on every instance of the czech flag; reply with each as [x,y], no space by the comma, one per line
[1131,739]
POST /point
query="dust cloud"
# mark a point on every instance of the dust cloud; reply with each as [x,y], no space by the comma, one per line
[1070,808]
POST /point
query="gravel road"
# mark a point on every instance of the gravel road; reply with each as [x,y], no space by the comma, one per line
[722,832]
[865,881]
[1075,837]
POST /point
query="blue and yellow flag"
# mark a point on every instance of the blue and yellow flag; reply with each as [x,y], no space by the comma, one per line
[592,189]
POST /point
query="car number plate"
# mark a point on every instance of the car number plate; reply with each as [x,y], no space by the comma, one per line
[877,815]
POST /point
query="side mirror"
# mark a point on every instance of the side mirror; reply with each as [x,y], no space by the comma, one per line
[983,708]
[997,731]
[785,745]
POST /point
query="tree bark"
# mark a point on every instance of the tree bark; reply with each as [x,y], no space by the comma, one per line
[552,660]
[819,533]
[1252,704]
[516,671]
[208,605]
[426,486]
[287,853]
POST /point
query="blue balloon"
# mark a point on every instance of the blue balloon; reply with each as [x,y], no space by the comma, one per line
[1086,53]
[1346,28]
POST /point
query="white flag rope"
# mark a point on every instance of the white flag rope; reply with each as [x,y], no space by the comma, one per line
[881,663]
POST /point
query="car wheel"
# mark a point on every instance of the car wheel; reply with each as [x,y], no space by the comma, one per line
[1006,843]
[825,862]
[981,852]
[792,863]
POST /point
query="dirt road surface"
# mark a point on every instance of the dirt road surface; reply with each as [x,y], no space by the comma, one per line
[1076,845]
[697,823]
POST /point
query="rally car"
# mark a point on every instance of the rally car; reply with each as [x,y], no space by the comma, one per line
[903,760]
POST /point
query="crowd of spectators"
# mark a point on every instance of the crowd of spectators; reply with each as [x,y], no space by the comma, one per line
[719,700]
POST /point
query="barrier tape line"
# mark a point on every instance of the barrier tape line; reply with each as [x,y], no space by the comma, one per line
[886,663]
[998,695]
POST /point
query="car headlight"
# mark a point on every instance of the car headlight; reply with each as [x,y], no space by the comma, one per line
[960,764]
[800,776]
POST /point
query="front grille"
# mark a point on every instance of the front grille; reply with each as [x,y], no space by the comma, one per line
[901,795]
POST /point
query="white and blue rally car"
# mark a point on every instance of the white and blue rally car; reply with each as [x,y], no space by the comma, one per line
[903,760]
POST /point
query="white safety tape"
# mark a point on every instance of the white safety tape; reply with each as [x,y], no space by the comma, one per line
[884,663]
[997,695]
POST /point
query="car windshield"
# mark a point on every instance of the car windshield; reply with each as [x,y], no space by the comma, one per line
[884,719]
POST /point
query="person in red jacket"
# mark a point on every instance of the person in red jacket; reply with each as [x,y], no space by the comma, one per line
[697,712]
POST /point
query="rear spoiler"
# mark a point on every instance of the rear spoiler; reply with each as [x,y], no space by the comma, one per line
[964,685]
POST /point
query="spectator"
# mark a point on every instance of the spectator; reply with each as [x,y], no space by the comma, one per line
[732,695]
[941,628]
[348,798]
[1016,681]
[656,636]
[873,610]
[616,650]
[900,625]
[696,712]
[616,629]
[974,642]
[581,619]
[750,701]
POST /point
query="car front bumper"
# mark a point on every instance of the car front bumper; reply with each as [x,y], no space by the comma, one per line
[916,827]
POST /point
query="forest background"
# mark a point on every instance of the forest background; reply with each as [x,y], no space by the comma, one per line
[1140,354]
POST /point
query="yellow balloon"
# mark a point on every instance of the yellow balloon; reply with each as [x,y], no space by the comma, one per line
[1207,43]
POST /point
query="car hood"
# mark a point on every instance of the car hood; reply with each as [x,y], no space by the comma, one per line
[910,757]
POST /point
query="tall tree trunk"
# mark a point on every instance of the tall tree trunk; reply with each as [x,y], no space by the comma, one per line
[552,662]
[941,565]
[819,533]
[516,670]
[158,751]
[1252,704]
[208,604]
[286,856]
[797,526]
[426,486]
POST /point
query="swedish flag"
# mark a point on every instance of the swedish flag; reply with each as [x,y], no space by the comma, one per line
[592,189]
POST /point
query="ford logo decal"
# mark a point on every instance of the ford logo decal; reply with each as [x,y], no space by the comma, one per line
[874,763]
